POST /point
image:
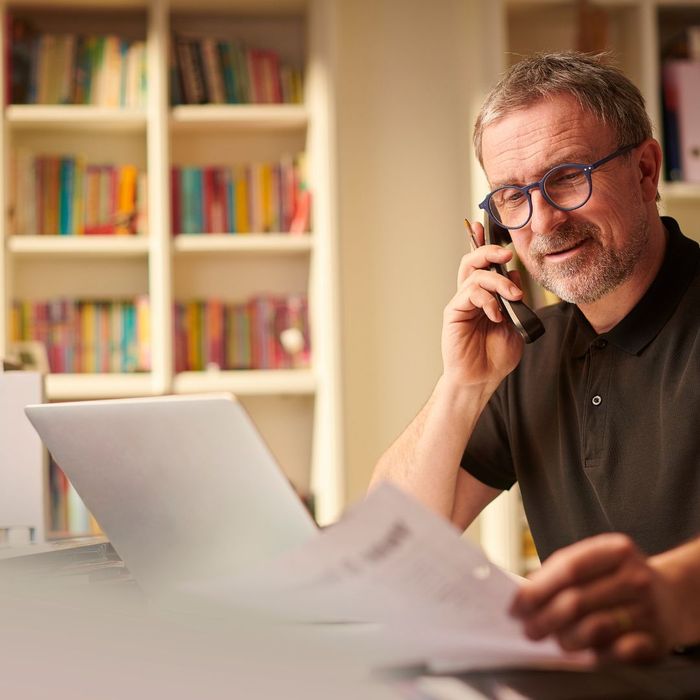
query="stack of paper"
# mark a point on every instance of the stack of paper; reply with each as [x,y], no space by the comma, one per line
[434,597]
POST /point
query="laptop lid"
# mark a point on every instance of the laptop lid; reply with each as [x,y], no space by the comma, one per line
[183,486]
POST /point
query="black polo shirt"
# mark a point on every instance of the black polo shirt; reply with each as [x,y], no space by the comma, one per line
[602,432]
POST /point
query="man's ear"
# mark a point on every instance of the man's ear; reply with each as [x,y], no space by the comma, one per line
[649,168]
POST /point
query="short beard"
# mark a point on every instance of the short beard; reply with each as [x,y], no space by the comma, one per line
[591,274]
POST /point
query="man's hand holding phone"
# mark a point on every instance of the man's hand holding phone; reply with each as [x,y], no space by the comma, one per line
[479,344]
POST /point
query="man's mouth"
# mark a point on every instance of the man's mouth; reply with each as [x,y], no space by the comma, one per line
[564,252]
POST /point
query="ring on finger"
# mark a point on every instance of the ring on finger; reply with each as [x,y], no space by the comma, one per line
[623,620]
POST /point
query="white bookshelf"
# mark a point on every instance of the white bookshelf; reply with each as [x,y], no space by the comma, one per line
[71,117]
[78,246]
[73,387]
[233,117]
[249,243]
[635,31]
[295,382]
[298,411]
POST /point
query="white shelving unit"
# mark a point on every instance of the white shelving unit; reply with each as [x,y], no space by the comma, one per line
[255,117]
[270,243]
[635,32]
[72,117]
[77,246]
[298,411]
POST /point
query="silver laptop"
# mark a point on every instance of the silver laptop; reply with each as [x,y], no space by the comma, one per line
[184,487]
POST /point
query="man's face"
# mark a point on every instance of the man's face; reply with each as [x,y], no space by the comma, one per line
[584,254]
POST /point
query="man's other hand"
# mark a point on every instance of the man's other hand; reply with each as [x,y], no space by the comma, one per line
[601,594]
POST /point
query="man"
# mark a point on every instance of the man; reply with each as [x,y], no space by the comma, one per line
[597,419]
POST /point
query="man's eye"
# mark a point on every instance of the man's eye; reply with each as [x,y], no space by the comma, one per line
[567,178]
[514,197]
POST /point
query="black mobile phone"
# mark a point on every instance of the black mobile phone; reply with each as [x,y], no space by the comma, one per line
[520,314]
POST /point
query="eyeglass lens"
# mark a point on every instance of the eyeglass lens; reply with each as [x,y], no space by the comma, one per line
[566,187]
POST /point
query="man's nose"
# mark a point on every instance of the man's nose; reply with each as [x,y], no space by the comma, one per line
[545,217]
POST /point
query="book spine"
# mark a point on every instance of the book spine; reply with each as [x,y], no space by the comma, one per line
[212,71]
[672,162]
[65,204]
[227,71]
[143,332]
[230,192]
[207,199]
[176,223]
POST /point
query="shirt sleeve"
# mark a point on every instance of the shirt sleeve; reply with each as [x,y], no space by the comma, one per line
[488,455]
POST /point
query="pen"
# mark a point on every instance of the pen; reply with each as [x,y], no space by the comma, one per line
[472,238]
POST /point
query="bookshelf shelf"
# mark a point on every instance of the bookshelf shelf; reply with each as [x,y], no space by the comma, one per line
[246,117]
[243,243]
[248,382]
[76,117]
[249,6]
[68,387]
[78,246]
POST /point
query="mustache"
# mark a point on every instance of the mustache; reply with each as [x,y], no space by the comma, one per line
[566,236]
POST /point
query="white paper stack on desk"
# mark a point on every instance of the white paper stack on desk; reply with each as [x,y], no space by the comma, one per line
[435,597]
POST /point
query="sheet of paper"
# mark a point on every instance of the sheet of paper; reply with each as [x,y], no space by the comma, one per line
[436,597]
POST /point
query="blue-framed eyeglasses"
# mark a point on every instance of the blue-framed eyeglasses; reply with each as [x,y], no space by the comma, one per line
[566,187]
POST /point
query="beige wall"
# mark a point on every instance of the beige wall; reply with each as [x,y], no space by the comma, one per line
[404,79]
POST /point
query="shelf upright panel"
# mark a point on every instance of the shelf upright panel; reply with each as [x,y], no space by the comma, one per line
[648,42]
[498,523]
[159,263]
[5,268]
[327,475]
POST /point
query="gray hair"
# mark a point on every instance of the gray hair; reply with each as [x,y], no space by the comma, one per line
[601,89]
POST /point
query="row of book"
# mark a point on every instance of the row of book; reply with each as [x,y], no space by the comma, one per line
[208,70]
[265,332]
[86,335]
[260,198]
[68,513]
[108,71]
[64,195]
[680,83]
[681,119]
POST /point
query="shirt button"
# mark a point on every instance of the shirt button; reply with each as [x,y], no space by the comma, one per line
[596,400]
[600,343]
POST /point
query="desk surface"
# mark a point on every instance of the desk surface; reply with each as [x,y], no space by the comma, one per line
[114,632]
[677,678]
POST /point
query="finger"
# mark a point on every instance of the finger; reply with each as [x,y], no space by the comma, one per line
[478,231]
[601,628]
[471,301]
[487,302]
[481,259]
[570,566]
[636,647]
[492,282]
[629,587]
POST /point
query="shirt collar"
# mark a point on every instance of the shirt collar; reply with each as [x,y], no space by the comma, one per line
[644,322]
